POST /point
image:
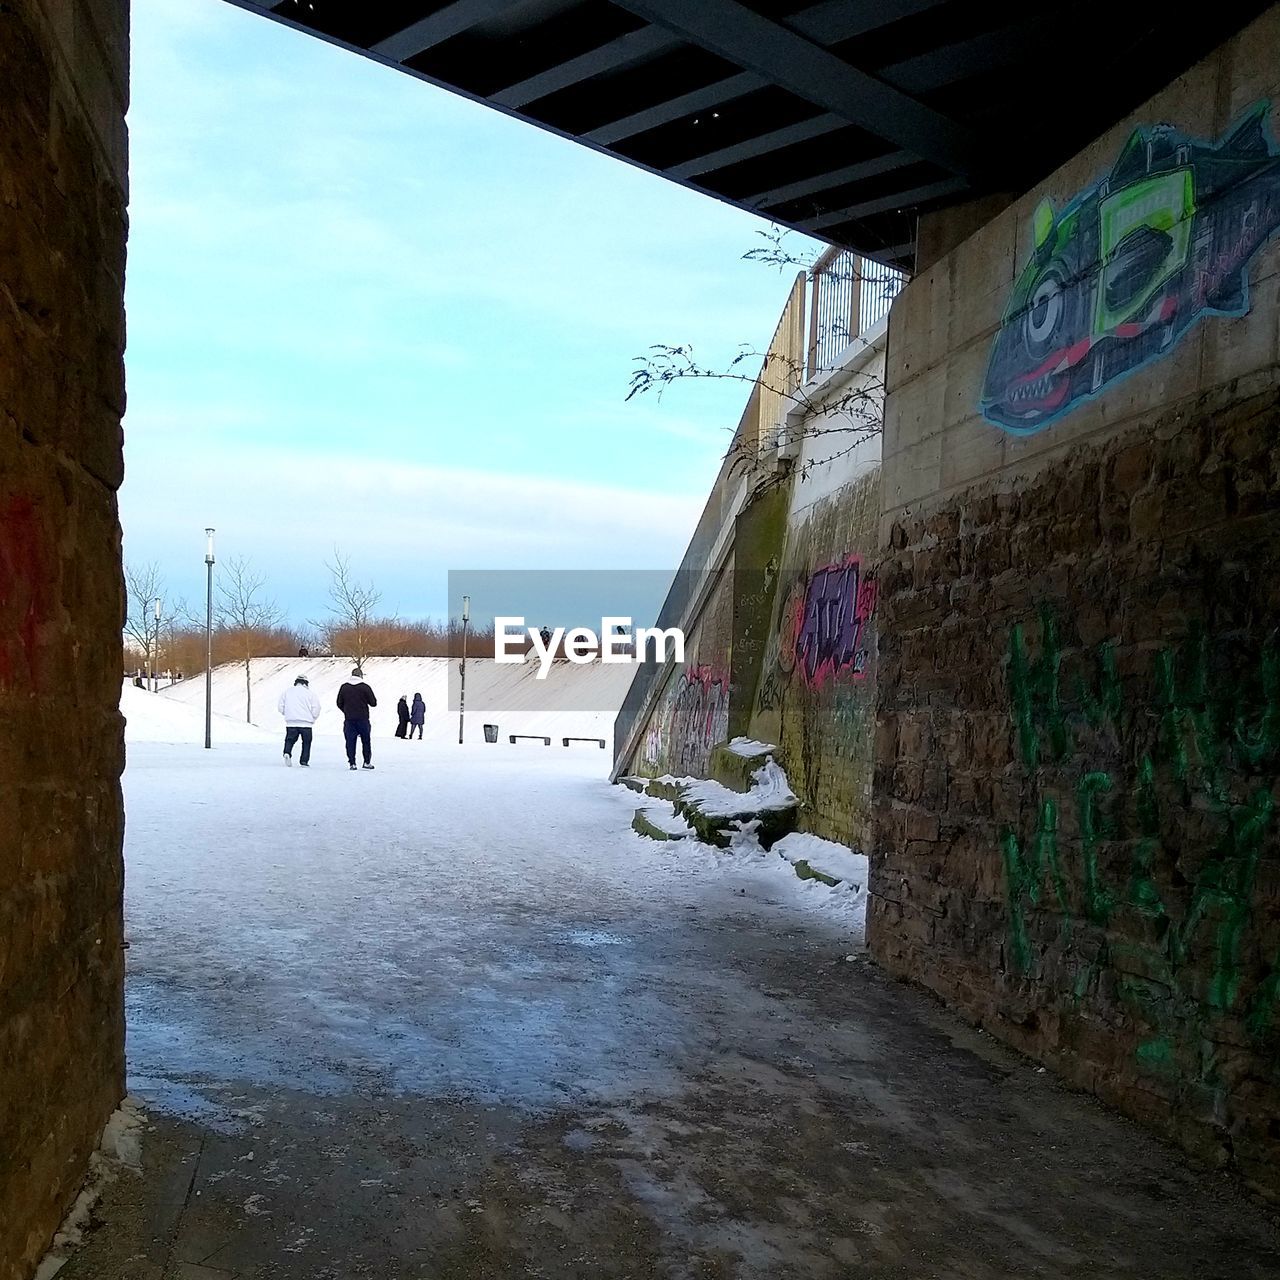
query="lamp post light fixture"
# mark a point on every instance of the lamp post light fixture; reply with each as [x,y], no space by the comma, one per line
[462,666]
[208,645]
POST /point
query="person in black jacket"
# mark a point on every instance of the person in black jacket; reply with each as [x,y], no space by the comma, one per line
[417,715]
[354,700]
[402,715]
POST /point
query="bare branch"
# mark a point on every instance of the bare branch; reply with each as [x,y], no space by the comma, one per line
[143,587]
[840,285]
[352,605]
[246,618]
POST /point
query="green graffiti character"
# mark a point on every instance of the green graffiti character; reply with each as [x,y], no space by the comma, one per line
[1098,900]
[1023,874]
[1259,745]
[1033,690]
[1182,695]
[1107,704]
[1143,893]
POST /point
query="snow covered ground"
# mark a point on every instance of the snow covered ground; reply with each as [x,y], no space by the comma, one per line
[509,695]
[473,921]
[151,717]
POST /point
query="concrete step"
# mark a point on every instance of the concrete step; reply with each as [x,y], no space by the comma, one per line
[718,828]
[659,823]
[734,763]
[816,859]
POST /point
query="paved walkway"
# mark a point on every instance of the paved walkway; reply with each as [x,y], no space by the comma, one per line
[392,1059]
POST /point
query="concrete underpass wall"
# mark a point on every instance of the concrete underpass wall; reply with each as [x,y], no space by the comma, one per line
[815,697]
[1078,761]
[63,65]
[691,713]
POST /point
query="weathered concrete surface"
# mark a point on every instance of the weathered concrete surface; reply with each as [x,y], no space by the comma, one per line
[815,694]
[563,1051]
[62,240]
[831,1124]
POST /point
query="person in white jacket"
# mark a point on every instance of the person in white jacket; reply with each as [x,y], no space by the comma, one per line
[301,709]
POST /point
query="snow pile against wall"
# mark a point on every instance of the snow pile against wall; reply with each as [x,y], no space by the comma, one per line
[510,696]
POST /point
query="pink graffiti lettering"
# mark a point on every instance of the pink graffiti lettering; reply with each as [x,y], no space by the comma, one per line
[829,628]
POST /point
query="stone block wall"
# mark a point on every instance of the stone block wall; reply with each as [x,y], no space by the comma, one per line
[62,244]
[1079,770]
[1078,738]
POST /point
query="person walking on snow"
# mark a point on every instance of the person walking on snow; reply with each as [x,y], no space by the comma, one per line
[354,700]
[301,709]
[402,715]
[417,715]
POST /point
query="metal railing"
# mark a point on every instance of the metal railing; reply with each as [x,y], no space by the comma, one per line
[848,294]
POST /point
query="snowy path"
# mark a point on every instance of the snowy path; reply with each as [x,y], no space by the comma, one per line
[452,1020]
[479,922]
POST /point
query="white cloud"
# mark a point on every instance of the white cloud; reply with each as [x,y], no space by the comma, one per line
[317,242]
[287,511]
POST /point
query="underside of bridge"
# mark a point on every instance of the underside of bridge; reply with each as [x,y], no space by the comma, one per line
[844,119]
[1077,720]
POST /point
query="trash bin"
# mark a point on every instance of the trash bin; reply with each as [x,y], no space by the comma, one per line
[491,733]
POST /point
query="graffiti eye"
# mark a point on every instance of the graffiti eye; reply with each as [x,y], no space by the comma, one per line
[1044,313]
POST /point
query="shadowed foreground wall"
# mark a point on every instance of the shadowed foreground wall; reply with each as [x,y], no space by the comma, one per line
[63,66]
[1078,754]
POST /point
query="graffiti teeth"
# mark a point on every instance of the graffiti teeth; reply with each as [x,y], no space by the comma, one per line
[1040,389]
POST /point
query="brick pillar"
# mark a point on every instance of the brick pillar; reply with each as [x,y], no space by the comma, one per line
[63,65]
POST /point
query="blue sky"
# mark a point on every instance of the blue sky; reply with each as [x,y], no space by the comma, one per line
[368,314]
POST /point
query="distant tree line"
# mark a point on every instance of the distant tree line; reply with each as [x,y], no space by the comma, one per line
[248,624]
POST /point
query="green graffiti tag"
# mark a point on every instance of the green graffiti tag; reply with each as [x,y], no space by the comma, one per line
[1171,775]
[1024,874]
[1034,689]
[1105,706]
[1143,892]
[1261,745]
[1098,901]
[1187,713]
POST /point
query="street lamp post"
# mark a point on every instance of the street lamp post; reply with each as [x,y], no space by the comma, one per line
[208,645]
[155,652]
[462,666]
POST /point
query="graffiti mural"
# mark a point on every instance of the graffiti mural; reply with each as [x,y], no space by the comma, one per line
[828,628]
[1121,273]
[24,592]
[693,719]
[1150,836]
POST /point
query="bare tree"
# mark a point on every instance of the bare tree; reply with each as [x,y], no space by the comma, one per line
[849,416]
[143,587]
[173,625]
[353,626]
[245,618]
